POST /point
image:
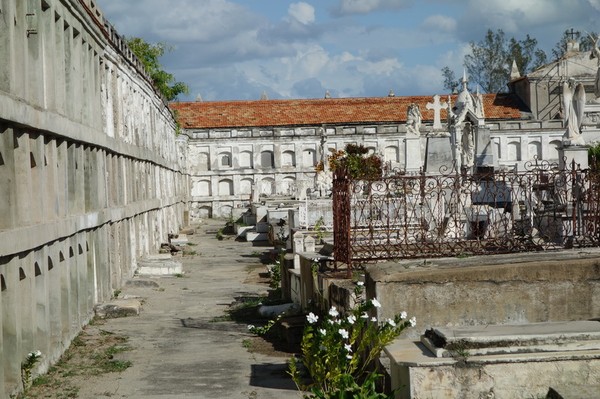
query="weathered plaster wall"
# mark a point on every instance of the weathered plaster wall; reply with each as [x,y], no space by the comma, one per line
[91,174]
[227,164]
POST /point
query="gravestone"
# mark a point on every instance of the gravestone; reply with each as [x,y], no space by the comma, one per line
[484,155]
[438,155]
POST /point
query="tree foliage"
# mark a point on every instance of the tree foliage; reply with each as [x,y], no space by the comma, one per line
[450,82]
[490,60]
[149,55]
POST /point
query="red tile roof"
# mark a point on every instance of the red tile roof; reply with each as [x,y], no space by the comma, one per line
[258,113]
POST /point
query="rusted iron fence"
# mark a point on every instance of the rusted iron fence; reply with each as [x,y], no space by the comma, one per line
[422,216]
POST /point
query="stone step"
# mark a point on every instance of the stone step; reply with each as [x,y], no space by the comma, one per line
[119,308]
[158,265]
[180,239]
[253,236]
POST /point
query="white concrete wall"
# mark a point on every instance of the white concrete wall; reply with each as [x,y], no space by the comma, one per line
[91,174]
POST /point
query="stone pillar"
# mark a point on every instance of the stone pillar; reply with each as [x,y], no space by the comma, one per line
[7,27]
[65,291]
[33,59]
[62,179]
[82,287]
[412,154]
[7,178]
[73,301]
[41,303]
[59,65]
[24,197]
[38,178]
[54,297]
[568,154]
[11,326]
[26,306]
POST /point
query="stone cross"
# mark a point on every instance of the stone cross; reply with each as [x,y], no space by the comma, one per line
[436,106]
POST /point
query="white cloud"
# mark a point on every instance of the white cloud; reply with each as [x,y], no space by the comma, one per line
[302,12]
[595,4]
[439,23]
[514,16]
[358,6]
[346,7]
[232,49]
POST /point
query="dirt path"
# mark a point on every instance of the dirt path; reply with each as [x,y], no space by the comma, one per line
[184,343]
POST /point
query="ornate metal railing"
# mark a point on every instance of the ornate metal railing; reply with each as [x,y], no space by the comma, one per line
[420,216]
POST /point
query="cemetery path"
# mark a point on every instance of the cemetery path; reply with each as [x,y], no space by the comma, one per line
[182,343]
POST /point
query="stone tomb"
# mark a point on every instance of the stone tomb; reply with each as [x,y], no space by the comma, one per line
[497,361]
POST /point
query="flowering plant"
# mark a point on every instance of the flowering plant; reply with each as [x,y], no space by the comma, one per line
[338,351]
[27,366]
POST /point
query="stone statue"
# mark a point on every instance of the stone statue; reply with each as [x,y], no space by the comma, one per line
[596,54]
[413,120]
[324,182]
[468,146]
[573,108]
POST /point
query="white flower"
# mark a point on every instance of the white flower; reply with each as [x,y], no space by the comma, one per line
[374,319]
[322,331]
[391,322]
[250,326]
[413,321]
[343,333]
[360,283]
[375,303]
[312,318]
[351,319]
[349,356]
[338,322]
[333,312]
[348,347]
[330,321]
[403,315]
[364,315]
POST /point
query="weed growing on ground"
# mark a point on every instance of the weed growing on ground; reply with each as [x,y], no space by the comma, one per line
[247,343]
[90,354]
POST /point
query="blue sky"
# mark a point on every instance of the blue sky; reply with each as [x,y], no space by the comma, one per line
[238,49]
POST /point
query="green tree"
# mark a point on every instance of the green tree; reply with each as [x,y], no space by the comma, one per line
[491,59]
[149,55]
[526,54]
[450,82]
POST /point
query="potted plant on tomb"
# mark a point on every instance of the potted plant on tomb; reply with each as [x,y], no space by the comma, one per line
[355,162]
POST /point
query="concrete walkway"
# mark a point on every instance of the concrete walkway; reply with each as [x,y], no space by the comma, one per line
[179,351]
